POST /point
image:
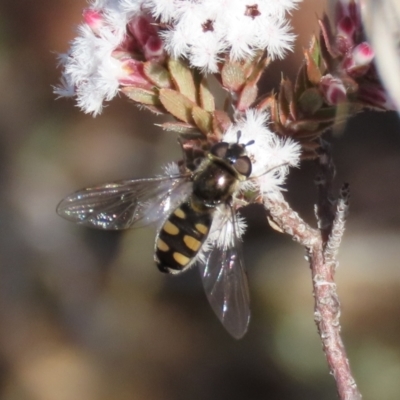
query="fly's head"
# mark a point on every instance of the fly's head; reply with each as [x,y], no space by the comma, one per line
[234,155]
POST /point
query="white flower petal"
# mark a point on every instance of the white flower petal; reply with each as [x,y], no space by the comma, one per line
[270,154]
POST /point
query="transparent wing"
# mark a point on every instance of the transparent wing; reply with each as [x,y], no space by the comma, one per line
[120,205]
[381,19]
[225,281]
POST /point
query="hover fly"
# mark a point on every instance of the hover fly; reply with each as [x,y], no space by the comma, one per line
[186,204]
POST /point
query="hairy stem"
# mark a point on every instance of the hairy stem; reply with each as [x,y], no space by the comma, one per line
[327,305]
[326,316]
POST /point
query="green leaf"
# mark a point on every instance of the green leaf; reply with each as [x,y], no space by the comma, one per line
[315,51]
[157,74]
[183,78]
[206,98]
[247,97]
[313,72]
[311,101]
[143,96]
[305,128]
[177,104]
[302,82]
[179,127]
[258,70]
[233,76]
[202,119]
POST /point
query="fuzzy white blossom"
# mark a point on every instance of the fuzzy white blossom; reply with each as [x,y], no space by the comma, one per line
[239,27]
[98,62]
[270,154]
[117,36]
[224,230]
[90,71]
[271,157]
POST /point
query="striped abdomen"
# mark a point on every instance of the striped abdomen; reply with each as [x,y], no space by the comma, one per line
[181,237]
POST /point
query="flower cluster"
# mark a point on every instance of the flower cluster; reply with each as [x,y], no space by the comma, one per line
[205,31]
[337,80]
[118,38]
[349,57]
[107,54]
[154,52]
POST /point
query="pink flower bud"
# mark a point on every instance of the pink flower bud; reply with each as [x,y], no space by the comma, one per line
[363,54]
[333,89]
[145,32]
[350,9]
[154,49]
[346,27]
[346,30]
[357,61]
[93,18]
[132,74]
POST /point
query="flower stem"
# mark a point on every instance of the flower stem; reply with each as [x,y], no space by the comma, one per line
[326,316]
[322,260]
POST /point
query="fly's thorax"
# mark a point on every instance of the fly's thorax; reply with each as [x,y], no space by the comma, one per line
[181,237]
[214,183]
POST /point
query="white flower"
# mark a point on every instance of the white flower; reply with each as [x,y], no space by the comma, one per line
[205,32]
[270,154]
[224,232]
[238,27]
[97,63]
[271,157]
[90,71]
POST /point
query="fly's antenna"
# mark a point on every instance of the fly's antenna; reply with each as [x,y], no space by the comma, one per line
[239,135]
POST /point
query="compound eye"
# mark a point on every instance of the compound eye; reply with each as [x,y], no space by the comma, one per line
[243,166]
[220,149]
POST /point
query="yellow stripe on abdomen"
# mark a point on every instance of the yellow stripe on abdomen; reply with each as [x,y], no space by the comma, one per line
[170,228]
[161,245]
[181,259]
[202,228]
[180,213]
[192,243]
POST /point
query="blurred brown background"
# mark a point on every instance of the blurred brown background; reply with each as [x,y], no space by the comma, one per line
[85,315]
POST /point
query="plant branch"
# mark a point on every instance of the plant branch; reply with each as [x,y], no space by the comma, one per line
[338,225]
[321,255]
[326,316]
